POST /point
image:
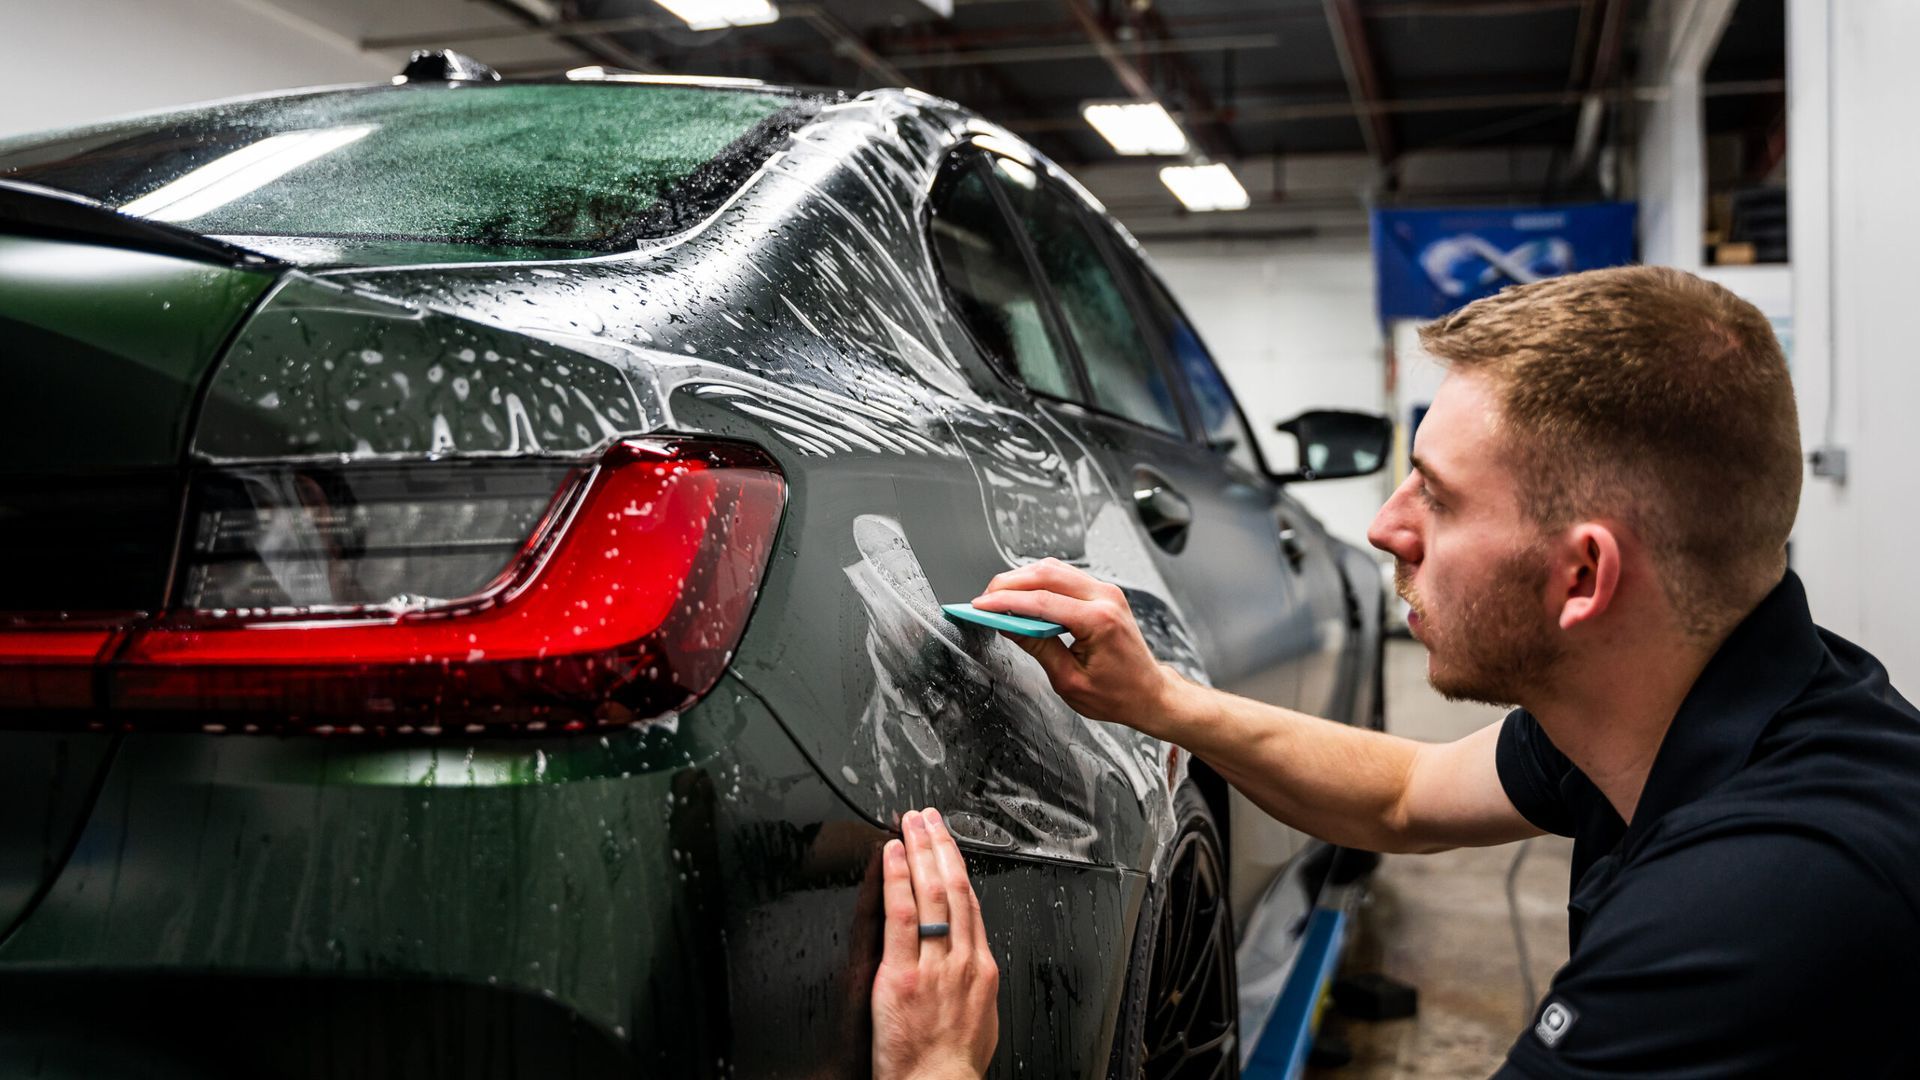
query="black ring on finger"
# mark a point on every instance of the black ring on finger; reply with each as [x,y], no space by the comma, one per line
[934,929]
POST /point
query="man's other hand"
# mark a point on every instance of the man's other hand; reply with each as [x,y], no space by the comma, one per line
[1108,673]
[935,999]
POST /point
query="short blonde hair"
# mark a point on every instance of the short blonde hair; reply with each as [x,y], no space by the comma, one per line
[1653,396]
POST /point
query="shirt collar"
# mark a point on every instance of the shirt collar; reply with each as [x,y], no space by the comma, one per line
[1767,660]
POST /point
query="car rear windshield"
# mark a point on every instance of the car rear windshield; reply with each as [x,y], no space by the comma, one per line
[571,166]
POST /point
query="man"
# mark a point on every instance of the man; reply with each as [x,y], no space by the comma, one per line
[1594,529]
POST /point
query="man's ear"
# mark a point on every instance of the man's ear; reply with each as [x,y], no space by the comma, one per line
[1586,573]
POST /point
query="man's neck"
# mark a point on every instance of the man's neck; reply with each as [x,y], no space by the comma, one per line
[1610,713]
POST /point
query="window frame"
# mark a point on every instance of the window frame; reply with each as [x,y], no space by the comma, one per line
[969,157]
[1124,265]
[973,156]
[1150,278]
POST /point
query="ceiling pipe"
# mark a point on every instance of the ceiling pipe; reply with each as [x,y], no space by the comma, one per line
[847,43]
[594,47]
[1350,42]
[1107,49]
[1040,53]
[1609,21]
[1319,110]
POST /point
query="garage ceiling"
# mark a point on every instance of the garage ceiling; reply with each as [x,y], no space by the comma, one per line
[1321,106]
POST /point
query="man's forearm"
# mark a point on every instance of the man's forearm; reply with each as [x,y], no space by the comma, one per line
[1342,784]
[1357,788]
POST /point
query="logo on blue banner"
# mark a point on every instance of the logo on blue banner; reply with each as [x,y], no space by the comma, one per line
[1430,262]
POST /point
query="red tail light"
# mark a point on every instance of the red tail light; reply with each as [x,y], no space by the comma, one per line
[625,587]
[51,665]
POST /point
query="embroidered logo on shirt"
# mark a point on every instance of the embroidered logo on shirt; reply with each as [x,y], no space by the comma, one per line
[1555,1020]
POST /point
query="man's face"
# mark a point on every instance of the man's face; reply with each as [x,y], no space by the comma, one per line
[1467,560]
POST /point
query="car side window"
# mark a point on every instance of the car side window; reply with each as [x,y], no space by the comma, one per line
[1122,371]
[1221,424]
[993,285]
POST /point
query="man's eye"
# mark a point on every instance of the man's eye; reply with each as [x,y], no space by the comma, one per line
[1426,497]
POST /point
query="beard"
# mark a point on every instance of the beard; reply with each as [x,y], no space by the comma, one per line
[1495,648]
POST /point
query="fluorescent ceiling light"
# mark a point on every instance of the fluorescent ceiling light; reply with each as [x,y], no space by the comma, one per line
[246,170]
[1205,187]
[1136,127]
[715,14]
[597,73]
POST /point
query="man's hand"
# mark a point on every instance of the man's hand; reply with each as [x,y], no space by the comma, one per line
[1108,673]
[935,999]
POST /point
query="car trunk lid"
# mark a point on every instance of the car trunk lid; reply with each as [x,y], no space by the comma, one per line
[111,326]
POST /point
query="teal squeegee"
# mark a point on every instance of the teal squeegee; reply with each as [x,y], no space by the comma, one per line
[1012,624]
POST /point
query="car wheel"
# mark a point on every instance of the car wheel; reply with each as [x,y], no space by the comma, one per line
[1181,1019]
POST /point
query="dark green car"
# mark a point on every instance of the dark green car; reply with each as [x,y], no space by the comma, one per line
[475,560]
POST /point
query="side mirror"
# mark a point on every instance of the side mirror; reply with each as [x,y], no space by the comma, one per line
[1336,444]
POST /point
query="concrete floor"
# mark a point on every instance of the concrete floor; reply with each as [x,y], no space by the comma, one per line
[1440,922]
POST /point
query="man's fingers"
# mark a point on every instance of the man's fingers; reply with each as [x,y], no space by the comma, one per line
[1052,575]
[929,884]
[1080,617]
[1055,658]
[903,918]
[962,908]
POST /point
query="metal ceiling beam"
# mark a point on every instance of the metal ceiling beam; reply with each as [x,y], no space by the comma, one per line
[958,84]
[923,38]
[847,43]
[1583,38]
[1218,140]
[1613,37]
[591,45]
[1107,49]
[1083,51]
[1466,8]
[1320,110]
[1349,31]
[1604,22]
[1194,91]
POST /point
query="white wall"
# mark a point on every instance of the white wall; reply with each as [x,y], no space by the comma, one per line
[1292,325]
[82,60]
[1856,231]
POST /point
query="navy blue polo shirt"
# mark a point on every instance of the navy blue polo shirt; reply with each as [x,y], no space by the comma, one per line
[1761,916]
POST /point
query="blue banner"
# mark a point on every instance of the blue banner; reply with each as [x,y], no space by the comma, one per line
[1430,262]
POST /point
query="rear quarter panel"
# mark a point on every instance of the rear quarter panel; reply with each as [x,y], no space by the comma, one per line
[806,317]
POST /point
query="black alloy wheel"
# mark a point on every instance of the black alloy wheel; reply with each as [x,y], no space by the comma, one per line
[1190,1030]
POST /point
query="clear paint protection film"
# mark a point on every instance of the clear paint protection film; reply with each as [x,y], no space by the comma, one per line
[323,370]
[640,903]
[804,316]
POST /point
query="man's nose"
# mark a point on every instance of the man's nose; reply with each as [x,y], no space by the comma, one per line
[1394,529]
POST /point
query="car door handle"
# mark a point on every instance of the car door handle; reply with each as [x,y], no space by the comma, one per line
[1164,511]
[1290,544]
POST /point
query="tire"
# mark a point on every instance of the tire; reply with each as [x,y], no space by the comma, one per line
[1180,1019]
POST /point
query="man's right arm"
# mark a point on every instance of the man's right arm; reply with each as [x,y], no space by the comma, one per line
[1352,787]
